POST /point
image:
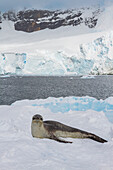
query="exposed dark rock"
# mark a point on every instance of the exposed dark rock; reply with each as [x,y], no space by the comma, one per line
[10,15]
[33,14]
[91,22]
[0,26]
[35,20]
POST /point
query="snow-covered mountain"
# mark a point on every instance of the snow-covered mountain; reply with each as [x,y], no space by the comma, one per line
[76,42]
[35,20]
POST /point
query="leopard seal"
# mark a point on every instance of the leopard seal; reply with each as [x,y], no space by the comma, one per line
[54,130]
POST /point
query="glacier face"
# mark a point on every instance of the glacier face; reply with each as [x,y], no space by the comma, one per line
[91,58]
[58,64]
[12,63]
[100,51]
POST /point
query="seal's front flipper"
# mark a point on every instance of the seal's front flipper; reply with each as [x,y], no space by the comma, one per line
[58,140]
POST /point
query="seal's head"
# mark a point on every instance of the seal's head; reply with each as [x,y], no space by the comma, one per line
[37,118]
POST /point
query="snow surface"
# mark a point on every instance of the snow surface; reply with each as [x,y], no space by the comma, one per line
[18,150]
[64,51]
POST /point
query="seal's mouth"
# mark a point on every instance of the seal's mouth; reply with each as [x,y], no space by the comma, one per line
[37,120]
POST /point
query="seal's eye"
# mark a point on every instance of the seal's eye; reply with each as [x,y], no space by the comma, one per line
[41,118]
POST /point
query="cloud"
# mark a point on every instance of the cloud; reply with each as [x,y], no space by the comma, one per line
[46,4]
[108,3]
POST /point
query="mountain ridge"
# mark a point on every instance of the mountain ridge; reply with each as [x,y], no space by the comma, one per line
[30,20]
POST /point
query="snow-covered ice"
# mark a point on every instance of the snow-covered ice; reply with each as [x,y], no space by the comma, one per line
[18,150]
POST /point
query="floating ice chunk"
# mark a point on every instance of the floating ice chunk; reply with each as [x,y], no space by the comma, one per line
[88,77]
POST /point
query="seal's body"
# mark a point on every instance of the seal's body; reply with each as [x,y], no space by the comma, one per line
[54,130]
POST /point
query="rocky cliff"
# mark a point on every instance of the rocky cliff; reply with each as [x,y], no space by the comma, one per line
[35,20]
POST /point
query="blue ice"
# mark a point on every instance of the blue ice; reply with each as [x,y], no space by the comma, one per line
[80,104]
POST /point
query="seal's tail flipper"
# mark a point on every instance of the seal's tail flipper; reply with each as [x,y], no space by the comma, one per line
[96,138]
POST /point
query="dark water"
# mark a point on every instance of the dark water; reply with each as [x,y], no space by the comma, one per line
[18,88]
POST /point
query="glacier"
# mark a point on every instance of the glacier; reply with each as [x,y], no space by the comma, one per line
[12,63]
[92,58]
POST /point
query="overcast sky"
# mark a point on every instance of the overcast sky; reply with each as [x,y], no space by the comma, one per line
[6,5]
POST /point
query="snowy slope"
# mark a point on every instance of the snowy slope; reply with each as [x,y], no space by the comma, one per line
[18,150]
[65,50]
